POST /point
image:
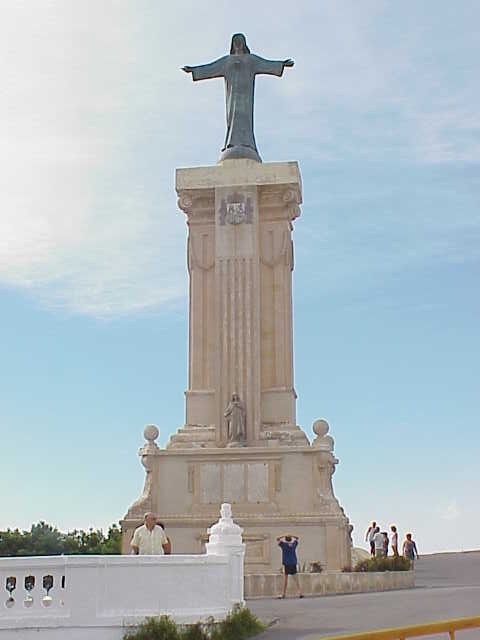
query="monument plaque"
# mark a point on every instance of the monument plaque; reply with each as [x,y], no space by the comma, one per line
[234,483]
[258,482]
[240,442]
[210,483]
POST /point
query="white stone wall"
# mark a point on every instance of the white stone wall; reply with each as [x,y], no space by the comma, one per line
[96,597]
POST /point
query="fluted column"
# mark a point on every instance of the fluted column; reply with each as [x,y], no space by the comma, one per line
[240,261]
[238,299]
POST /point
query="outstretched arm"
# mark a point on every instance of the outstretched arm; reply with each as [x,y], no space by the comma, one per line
[271,67]
[213,69]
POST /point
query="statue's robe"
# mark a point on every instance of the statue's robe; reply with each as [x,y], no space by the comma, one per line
[235,412]
[239,71]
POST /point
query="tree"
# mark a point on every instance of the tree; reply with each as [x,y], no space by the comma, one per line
[45,540]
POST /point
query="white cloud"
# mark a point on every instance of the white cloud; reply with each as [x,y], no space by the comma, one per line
[95,114]
[450,511]
[449,133]
[76,226]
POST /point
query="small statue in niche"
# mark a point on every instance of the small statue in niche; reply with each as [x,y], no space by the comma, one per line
[235,415]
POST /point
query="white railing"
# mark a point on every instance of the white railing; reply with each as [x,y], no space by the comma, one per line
[98,596]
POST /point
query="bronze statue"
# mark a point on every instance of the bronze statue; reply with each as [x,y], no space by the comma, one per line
[239,70]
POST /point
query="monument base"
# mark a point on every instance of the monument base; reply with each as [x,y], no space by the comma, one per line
[239,152]
[273,491]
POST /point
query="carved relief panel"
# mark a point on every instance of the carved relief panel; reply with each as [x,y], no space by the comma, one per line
[275,244]
[235,216]
[201,250]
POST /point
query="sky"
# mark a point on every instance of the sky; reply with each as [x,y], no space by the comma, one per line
[381,111]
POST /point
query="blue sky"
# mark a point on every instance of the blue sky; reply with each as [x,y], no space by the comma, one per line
[380,111]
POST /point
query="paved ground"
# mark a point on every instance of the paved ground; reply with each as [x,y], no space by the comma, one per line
[448,586]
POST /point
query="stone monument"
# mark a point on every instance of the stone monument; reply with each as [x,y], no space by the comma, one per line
[240,443]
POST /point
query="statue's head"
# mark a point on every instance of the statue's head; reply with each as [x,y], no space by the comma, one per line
[239,44]
[235,397]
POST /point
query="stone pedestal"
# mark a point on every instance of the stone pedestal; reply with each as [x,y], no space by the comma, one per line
[240,262]
[273,491]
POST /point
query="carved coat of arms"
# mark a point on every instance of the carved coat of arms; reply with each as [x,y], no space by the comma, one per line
[236,208]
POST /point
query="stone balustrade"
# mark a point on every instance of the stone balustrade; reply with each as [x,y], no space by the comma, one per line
[96,597]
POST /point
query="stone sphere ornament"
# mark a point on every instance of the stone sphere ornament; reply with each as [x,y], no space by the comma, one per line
[322,441]
[320,428]
[151,433]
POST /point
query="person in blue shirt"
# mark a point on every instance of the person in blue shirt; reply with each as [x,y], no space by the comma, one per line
[288,545]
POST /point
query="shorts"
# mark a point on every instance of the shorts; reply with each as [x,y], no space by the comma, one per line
[290,569]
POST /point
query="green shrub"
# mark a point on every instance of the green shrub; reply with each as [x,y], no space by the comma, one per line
[163,628]
[239,624]
[392,563]
[45,540]
[194,632]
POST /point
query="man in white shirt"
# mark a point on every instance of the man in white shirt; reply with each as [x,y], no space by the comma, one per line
[149,539]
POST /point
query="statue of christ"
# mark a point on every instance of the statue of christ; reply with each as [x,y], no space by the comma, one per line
[239,70]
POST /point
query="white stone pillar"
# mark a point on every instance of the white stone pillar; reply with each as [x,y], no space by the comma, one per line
[225,539]
[240,261]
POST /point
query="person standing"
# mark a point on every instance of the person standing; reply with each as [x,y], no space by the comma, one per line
[379,543]
[369,537]
[394,540]
[149,539]
[288,545]
[409,549]
[386,542]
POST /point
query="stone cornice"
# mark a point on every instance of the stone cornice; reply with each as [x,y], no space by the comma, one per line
[201,454]
[238,173]
[248,519]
